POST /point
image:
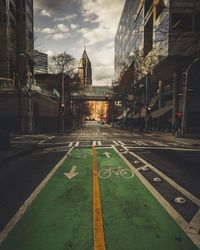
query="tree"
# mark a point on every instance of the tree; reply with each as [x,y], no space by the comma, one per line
[62,63]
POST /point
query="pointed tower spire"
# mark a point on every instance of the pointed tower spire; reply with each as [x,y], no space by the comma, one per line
[85,69]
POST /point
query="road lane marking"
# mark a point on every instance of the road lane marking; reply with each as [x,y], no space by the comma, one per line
[115,143]
[72,173]
[121,143]
[169,180]
[193,227]
[77,143]
[29,201]
[107,154]
[140,143]
[165,148]
[71,144]
[49,138]
[194,236]
[99,143]
[98,232]
[158,143]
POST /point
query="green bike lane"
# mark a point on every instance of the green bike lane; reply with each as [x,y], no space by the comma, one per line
[61,216]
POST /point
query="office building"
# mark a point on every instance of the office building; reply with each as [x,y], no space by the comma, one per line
[41,62]
[16,39]
[157,47]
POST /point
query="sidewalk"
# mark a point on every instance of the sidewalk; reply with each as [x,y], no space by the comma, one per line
[170,136]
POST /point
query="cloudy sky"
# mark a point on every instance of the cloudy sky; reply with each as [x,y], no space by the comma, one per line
[66,25]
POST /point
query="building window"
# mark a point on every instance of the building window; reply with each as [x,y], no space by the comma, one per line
[4,19]
[12,23]
[148,36]
[4,3]
[18,4]
[12,8]
[182,22]
[30,34]
[147,6]
[197,22]
[159,8]
[18,17]
[23,4]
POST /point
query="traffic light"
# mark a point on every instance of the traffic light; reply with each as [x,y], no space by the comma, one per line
[148,109]
[62,107]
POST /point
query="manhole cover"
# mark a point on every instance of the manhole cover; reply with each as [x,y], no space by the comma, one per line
[145,169]
[157,179]
[180,200]
[136,162]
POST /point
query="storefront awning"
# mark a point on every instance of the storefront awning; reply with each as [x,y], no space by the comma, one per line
[161,111]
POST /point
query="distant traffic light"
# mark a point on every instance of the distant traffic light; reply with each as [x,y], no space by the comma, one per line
[148,110]
[62,107]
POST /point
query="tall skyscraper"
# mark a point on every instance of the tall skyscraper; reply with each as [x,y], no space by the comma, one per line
[16,38]
[85,69]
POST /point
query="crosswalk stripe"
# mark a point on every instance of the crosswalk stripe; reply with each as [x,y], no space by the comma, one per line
[77,143]
[140,143]
[115,143]
[120,142]
[94,143]
[99,143]
[159,143]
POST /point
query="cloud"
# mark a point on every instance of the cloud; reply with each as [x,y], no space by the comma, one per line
[57,32]
[74,26]
[62,27]
[57,36]
[90,22]
[45,13]
[67,18]
[104,12]
[57,7]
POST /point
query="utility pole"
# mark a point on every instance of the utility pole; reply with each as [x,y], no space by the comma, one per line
[185,98]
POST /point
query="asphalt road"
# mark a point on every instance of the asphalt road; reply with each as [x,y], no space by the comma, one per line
[175,159]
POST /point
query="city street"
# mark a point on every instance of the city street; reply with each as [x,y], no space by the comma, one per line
[148,190]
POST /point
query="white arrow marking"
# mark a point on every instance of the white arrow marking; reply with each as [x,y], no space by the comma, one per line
[107,154]
[72,173]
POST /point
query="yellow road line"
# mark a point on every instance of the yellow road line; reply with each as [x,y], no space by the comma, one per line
[98,232]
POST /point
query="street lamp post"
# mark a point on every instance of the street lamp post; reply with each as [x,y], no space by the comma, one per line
[185,98]
[22,83]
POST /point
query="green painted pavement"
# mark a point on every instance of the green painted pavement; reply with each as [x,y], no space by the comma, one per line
[61,216]
[133,219]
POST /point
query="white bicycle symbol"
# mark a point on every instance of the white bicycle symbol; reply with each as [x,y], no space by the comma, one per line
[123,172]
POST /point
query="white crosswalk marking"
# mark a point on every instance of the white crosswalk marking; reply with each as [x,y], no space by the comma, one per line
[77,143]
[140,143]
[71,143]
[115,134]
[115,143]
[120,142]
[94,143]
[159,143]
[99,143]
